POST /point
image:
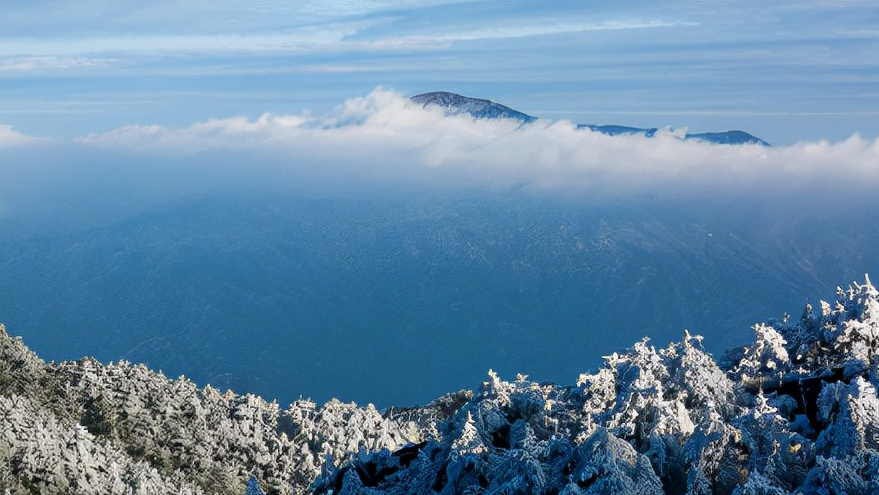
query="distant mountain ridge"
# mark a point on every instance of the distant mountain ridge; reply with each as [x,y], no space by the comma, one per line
[725,137]
[455,104]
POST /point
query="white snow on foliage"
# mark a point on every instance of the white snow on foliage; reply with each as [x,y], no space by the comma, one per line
[795,412]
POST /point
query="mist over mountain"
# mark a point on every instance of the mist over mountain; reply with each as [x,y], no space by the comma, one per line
[368,252]
[377,299]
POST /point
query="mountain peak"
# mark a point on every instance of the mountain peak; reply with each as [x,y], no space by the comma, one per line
[455,104]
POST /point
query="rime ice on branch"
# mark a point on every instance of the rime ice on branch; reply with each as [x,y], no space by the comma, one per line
[796,411]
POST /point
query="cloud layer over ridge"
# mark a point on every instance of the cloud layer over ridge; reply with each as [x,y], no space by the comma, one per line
[384,140]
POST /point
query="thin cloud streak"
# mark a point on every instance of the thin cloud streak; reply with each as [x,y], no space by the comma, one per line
[53,63]
[521,31]
[300,40]
[324,38]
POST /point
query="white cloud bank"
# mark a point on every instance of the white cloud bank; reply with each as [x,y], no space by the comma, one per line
[383,139]
[10,137]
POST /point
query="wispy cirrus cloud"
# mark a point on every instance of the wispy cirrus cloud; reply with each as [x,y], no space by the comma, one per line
[309,38]
[525,30]
[65,52]
[19,64]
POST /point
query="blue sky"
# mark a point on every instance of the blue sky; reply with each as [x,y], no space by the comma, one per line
[794,71]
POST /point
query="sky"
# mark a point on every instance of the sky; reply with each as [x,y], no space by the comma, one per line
[787,72]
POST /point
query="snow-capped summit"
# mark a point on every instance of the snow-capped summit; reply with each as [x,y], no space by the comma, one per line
[455,104]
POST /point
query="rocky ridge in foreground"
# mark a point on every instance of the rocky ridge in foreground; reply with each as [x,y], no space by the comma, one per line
[794,412]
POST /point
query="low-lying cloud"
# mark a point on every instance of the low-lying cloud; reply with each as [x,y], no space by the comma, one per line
[383,139]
